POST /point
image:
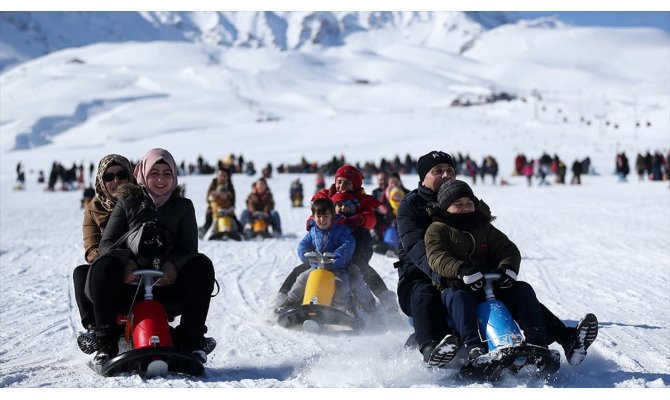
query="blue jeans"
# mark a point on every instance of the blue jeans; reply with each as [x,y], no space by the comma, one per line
[246,219]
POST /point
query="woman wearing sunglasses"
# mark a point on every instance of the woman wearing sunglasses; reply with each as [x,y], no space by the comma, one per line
[113,170]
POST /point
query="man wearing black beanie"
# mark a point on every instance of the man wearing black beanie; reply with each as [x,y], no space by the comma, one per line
[417,296]
[420,298]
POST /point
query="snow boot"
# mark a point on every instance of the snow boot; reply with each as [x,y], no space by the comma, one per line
[200,355]
[585,333]
[108,344]
[87,341]
[475,351]
[208,344]
[439,355]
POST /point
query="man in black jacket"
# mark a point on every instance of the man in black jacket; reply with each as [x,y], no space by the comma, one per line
[419,298]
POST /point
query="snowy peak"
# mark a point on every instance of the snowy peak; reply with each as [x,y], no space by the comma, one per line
[26,35]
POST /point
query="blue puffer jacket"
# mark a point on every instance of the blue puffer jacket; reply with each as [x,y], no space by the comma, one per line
[337,239]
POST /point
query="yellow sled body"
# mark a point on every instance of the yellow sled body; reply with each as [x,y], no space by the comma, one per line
[259,225]
[320,287]
[224,223]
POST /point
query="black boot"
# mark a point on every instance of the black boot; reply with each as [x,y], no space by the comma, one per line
[585,333]
[88,341]
[439,354]
[108,344]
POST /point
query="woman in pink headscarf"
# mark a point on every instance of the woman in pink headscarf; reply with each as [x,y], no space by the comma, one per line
[188,275]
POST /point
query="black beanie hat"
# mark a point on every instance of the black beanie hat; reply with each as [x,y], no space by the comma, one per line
[451,191]
[428,161]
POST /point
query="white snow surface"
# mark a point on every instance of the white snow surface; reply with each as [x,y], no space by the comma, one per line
[601,247]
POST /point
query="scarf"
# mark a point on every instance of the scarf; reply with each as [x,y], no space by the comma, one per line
[146,164]
[106,199]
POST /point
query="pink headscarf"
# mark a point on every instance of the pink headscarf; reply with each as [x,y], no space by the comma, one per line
[144,166]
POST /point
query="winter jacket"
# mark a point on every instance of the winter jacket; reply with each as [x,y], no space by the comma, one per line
[228,187]
[336,239]
[367,205]
[413,220]
[95,221]
[135,207]
[484,246]
[260,202]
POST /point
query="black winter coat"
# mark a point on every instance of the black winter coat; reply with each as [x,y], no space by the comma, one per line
[413,220]
[135,207]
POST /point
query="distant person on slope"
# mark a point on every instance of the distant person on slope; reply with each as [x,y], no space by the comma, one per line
[220,195]
[261,205]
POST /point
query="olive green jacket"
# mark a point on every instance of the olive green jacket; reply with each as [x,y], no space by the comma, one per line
[449,249]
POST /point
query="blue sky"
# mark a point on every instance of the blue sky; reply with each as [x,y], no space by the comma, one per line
[656,19]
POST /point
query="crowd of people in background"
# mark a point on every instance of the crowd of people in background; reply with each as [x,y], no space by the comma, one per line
[543,170]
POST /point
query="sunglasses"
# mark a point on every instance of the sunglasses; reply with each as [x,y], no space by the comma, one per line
[122,175]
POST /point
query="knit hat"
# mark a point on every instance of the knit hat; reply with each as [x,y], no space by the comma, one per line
[341,197]
[451,191]
[428,161]
[348,199]
[350,173]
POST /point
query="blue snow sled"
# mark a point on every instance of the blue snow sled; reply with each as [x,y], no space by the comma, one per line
[507,350]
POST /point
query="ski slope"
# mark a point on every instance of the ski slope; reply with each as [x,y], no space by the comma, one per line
[601,247]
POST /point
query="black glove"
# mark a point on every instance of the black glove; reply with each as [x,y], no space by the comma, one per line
[507,277]
[472,277]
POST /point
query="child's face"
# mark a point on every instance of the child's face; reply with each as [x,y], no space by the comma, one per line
[324,220]
[343,185]
[463,205]
[342,208]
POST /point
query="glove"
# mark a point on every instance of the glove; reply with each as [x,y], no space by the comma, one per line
[310,223]
[354,221]
[507,278]
[169,274]
[472,277]
[128,276]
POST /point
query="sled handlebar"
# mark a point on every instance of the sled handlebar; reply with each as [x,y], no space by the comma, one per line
[148,277]
[490,277]
[325,258]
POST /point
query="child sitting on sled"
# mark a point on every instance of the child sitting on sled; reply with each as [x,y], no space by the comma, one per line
[461,246]
[329,234]
[347,205]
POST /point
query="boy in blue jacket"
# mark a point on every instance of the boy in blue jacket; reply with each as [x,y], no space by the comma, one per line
[330,234]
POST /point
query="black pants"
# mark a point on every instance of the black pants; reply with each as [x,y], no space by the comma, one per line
[419,298]
[191,291]
[361,258]
[83,302]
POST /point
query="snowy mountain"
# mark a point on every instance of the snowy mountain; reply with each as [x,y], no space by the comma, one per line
[26,35]
[276,87]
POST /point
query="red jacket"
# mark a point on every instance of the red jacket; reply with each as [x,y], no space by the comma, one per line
[366,209]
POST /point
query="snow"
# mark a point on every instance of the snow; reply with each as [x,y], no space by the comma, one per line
[601,247]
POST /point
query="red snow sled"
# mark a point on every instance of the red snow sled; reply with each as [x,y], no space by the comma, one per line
[149,333]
